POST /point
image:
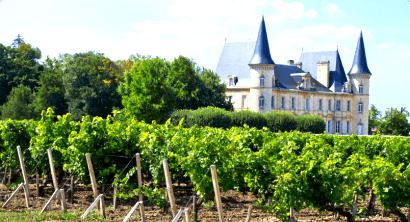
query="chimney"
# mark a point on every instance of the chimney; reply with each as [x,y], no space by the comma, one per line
[291,62]
[323,73]
[299,65]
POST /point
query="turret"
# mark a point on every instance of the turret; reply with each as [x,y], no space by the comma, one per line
[262,73]
[359,76]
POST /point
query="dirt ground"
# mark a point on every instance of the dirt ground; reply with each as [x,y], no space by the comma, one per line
[235,206]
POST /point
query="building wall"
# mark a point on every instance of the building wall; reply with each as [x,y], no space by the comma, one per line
[353,116]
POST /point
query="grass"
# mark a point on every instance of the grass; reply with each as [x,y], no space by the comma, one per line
[8,215]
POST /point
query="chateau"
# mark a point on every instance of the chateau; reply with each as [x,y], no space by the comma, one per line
[316,84]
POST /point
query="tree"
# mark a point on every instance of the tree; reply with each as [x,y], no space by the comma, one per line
[374,116]
[90,86]
[212,92]
[394,122]
[17,41]
[144,91]
[51,91]
[18,105]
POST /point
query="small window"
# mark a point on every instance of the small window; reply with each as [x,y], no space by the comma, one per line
[361,89]
[307,104]
[262,81]
[348,127]
[329,126]
[338,105]
[282,104]
[273,102]
[330,105]
[348,106]
[359,129]
[230,82]
[293,103]
[244,102]
[337,126]
[320,104]
[360,107]
[261,102]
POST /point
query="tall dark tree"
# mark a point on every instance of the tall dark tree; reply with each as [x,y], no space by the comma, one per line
[212,91]
[90,86]
[17,41]
[51,91]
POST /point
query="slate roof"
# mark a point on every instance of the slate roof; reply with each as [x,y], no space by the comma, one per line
[234,61]
[360,62]
[337,75]
[261,54]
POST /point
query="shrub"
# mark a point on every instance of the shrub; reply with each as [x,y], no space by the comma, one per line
[251,118]
[177,115]
[209,116]
[280,121]
[310,123]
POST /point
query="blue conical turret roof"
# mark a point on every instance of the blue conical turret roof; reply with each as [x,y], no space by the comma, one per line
[339,68]
[359,62]
[262,52]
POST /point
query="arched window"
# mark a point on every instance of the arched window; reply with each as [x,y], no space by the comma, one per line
[361,89]
[261,102]
[262,81]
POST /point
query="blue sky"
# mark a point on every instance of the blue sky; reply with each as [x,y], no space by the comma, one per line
[197,29]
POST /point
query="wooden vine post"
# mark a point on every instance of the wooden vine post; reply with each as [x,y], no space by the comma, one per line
[23,170]
[93,181]
[53,173]
[248,216]
[217,193]
[63,205]
[115,197]
[138,159]
[170,189]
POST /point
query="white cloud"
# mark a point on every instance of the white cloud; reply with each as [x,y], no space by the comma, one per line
[333,11]
[293,10]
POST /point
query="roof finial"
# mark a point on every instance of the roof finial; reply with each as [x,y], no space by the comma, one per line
[225,39]
[337,47]
[302,49]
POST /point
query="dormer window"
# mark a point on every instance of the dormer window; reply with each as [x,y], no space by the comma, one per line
[361,89]
[230,82]
[262,81]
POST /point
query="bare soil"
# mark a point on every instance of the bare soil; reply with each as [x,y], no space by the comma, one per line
[235,206]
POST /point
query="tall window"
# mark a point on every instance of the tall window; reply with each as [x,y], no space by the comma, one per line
[337,126]
[307,104]
[230,99]
[330,105]
[261,102]
[360,107]
[361,89]
[348,127]
[262,81]
[348,106]
[282,104]
[338,105]
[230,82]
[329,126]
[293,103]
[273,102]
[320,104]
[244,103]
[359,129]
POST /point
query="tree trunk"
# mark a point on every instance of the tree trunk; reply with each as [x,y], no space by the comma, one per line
[5,175]
[372,203]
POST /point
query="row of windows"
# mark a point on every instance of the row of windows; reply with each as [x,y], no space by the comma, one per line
[293,104]
[338,127]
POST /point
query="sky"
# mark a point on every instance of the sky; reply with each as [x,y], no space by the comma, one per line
[199,29]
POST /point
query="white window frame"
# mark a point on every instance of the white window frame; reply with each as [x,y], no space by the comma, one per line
[261,102]
[293,103]
[348,127]
[282,105]
[262,81]
[244,102]
[348,106]
[360,129]
[361,89]
[320,104]
[330,105]
[338,105]
[360,107]
[230,81]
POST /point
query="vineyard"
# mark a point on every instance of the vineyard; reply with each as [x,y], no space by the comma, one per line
[281,171]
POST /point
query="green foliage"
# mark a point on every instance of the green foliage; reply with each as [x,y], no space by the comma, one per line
[374,116]
[281,121]
[90,86]
[210,116]
[394,122]
[19,104]
[250,118]
[310,123]
[177,115]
